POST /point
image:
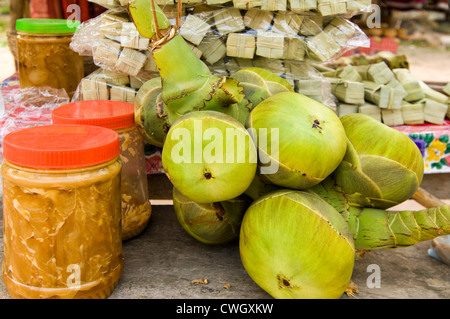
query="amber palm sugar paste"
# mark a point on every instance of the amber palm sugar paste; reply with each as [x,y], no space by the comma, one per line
[44,54]
[118,116]
[62,212]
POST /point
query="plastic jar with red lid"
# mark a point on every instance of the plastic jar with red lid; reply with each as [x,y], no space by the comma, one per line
[61,212]
[118,116]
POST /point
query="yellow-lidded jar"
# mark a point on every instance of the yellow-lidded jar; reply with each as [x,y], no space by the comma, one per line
[44,54]
[61,212]
[119,116]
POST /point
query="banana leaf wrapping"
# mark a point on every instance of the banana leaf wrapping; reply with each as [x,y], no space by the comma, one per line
[379,73]
[341,30]
[287,23]
[410,84]
[349,73]
[311,88]
[394,83]
[312,24]
[371,110]
[349,92]
[122,93]
[331,7]
[383,96]
[228,20]
[270,45]
[433,94]
[212,48]
[344,109]
[131,38]
[412,113]
[245,4]
[194,29]
[446,89]
[244,46]
[274,5]
[130,61]
[434,112]
[358,5]
[302,5]
[103,84]
[392,117]
[322,46]
[94,89]
[294,48]
[259,20]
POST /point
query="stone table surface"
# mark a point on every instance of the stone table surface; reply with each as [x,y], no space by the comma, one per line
[163,261]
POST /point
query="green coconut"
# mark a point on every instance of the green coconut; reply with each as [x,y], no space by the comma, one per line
[149,114]
[209,156]
[211,223]
[294,245]
[382,166]
[310,140]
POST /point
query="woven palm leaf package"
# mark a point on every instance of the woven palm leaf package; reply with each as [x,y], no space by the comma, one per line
[391,93]
[103,84]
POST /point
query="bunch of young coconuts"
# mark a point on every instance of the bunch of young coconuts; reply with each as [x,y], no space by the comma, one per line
[302,190]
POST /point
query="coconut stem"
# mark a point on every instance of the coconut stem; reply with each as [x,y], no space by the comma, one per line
[379,229]
[148,18]
[155,21]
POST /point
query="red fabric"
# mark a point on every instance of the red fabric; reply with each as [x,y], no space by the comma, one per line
[57,9]
[376,45]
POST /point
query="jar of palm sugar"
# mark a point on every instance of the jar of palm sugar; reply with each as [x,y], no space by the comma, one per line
[118,116]
[44,54]
[61,212]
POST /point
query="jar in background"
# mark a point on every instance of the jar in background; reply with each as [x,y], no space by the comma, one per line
[44,54]
[118,116]
[61,212]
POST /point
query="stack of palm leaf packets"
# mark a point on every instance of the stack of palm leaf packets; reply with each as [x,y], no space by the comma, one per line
[282,36]
[103,84]
[391,93]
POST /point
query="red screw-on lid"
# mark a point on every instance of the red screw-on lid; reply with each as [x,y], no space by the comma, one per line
[110,114]
[61,146]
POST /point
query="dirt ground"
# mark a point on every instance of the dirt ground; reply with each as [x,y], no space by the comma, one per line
[6,63]
[428,64]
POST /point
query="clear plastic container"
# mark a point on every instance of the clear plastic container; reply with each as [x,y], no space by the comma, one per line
[61,212]
[119,116]
[44,54]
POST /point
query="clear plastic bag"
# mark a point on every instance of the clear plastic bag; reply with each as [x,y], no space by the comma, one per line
[27,107]
[115,44]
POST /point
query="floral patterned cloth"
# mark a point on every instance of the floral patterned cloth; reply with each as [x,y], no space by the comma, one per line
[434,143]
